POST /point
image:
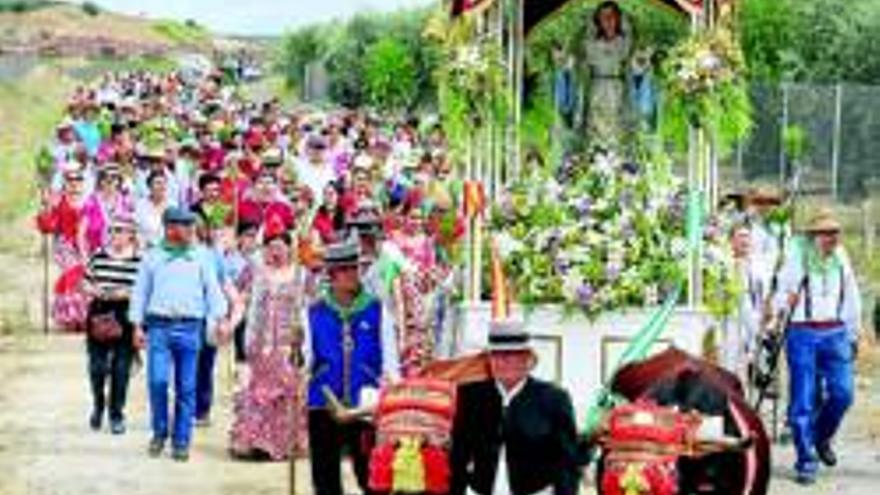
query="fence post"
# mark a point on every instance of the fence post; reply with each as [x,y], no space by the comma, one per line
[835,144]
[868,227]
[782,134]
[740,170]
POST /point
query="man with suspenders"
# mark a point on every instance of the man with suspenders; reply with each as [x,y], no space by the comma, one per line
[818,289]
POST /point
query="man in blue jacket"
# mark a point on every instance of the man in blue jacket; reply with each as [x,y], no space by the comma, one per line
[345,359]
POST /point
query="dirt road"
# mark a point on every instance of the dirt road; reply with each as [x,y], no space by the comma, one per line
[46,447]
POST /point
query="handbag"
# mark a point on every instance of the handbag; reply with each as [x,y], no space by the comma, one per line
[104,327]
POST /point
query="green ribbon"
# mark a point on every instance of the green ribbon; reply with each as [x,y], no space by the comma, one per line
[646,337]
[176,252]
[816,263]
[360,302]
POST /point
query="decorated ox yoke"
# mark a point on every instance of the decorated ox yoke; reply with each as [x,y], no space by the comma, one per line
[413,434]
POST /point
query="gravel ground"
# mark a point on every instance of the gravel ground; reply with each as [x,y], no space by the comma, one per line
[46,447]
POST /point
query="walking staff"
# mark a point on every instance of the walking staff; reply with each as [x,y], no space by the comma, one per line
[177,293]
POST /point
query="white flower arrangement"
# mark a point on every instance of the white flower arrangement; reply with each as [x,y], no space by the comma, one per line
[615,240]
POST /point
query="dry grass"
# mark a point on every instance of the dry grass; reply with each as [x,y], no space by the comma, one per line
[66,21]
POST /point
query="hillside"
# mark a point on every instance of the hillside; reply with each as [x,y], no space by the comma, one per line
[75,30]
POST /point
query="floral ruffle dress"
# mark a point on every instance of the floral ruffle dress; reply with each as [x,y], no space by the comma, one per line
[270,414]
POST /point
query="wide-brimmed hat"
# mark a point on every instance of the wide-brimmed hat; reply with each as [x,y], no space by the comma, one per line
[272,157]
[366,220]
[822,221]
[153,151]
[345,253]
[506,333]
[66,124]
[189,143]
[72,169]
[764,195]
[123,222]
[362,162]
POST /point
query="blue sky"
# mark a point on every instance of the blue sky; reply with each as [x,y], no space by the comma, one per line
[263,17]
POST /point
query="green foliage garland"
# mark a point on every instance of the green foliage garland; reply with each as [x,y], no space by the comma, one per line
[705,86]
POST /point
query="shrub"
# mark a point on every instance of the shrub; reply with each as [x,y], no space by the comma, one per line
[91,8]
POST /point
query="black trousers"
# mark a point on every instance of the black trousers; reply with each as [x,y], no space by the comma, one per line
[238,342]
[327,439]
[110,360]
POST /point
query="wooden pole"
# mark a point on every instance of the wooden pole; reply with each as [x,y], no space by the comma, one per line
[44,251]
[294,414]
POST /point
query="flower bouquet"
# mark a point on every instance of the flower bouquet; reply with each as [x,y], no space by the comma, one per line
[704,85]
[612,237]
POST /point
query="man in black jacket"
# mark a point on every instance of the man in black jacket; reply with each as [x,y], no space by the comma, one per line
[514,434]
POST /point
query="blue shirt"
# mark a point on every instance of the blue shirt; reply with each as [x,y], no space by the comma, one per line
[178,286]
[89,134]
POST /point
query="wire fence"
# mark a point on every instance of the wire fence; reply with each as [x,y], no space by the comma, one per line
[840,166]
[841,124]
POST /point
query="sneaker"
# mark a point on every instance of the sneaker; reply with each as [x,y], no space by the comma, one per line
[95,420]
[826,454]
[180,454]
[804,478]
[157,445]
[117,426]
[204,421]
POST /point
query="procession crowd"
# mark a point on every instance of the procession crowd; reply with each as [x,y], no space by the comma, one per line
[321,246]
[185,217]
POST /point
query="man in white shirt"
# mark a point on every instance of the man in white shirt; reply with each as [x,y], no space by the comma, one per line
[739,339]
[818,288]
[767,237]
[314,171]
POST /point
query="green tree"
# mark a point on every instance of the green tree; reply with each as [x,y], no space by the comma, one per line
[91,8]
[819,41]
[390,75]
[298,49]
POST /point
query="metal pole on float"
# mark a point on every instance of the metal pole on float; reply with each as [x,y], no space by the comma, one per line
[693,189]
[520,37]
[469,258]
[508,15]
[711,189]
[700,178]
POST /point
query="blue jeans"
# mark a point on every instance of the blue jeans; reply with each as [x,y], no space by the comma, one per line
[173,344]
[817,358]
[205,380]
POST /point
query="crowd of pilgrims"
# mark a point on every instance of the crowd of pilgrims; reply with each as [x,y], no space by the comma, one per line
[280,211]
[320,246]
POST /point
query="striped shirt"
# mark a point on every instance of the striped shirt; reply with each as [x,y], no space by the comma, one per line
[109,273]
